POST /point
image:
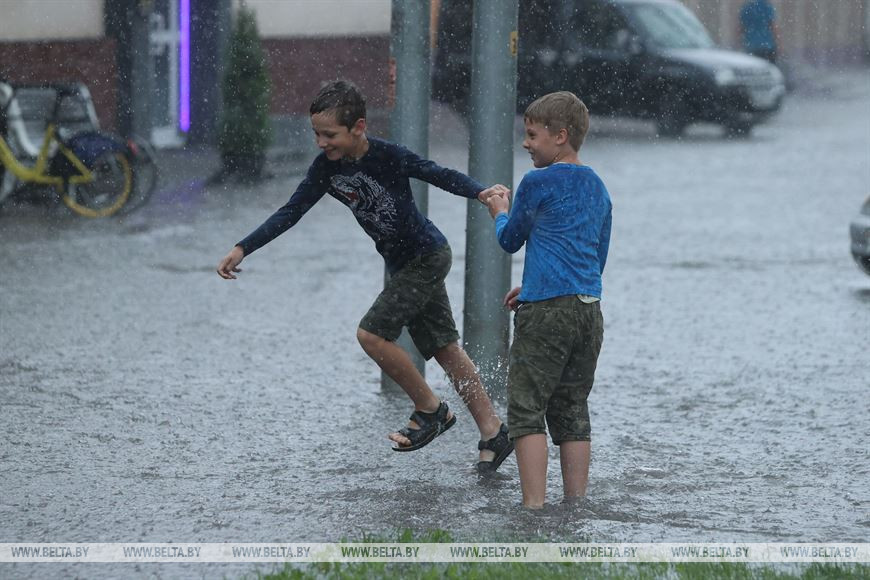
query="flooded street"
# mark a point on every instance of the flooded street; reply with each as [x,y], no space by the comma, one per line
[144,399]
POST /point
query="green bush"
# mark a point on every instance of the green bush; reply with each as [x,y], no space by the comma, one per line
[245,132]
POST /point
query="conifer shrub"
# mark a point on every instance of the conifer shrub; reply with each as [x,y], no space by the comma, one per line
[245,132]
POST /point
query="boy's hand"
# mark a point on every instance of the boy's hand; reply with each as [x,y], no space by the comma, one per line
[495,190]
[496,198]
[510,299]
[230,263]
[498,204]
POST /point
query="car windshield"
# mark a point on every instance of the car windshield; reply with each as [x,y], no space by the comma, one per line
[670,26]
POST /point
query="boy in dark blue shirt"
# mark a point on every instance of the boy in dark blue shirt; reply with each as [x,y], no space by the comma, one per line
[370,177]
[562,213]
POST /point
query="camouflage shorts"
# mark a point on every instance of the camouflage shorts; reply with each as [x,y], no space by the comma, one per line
[552,367]
[416,297]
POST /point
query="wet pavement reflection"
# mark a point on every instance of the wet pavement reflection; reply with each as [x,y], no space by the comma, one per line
[144,399]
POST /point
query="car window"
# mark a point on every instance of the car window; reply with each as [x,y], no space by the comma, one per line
[669,26]
[597,26]
[538,24]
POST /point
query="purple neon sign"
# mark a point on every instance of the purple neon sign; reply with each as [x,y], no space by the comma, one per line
[184,66]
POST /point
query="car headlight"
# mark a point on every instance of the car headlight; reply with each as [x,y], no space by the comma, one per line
[547,56]
[724,76]
[777,75]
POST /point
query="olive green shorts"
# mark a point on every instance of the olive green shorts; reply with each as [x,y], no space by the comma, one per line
[552,367]
[416,297]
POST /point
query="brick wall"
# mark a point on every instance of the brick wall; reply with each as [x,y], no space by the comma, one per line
[299,66]
[89,61]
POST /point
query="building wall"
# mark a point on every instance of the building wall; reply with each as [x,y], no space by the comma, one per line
[811,31]
[89,61]
[321,18]
[299,66]
[310,42]
[23,20]
[56,41]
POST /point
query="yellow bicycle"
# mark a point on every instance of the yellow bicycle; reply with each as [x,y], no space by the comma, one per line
[91,171]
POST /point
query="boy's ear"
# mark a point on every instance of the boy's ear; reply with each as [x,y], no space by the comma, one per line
[562,136]
[359,127]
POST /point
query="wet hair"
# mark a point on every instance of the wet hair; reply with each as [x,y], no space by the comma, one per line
[341,99]
[561,110]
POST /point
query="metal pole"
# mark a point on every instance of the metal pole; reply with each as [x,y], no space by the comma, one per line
[127,22]
[409,121]
[211,25]
[493,110]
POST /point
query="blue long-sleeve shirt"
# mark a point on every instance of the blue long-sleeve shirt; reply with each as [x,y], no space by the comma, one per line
[562,213]
[757,18]
[376,188]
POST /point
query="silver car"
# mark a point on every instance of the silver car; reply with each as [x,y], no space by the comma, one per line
[860,229]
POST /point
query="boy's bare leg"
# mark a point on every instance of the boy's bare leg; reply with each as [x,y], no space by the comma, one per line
[574,456]
[396,363]
[532,462]
[466,380]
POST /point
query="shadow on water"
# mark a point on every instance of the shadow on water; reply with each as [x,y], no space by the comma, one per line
[862,294]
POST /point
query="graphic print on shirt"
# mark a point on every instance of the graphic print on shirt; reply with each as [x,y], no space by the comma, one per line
[369,202]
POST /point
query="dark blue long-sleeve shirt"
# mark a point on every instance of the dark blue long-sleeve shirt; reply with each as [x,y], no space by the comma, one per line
[562,213]
[376,188]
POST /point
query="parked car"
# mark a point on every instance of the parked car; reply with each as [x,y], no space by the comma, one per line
[860,231]
[649,59]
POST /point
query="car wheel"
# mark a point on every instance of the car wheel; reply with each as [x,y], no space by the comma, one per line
[462,107]
[738,129]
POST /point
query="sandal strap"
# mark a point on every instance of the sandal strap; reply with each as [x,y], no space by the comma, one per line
[422,418]
[426,422]
[497,443]
[407,432]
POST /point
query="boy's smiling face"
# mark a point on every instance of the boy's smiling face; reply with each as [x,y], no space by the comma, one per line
[544,146]
[336,140]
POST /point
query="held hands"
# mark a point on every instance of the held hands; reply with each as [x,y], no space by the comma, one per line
[230,264]
[496,198]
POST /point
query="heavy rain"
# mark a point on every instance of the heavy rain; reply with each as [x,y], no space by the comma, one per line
[145,399]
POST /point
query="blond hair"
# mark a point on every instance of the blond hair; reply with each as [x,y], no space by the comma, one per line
[561,110]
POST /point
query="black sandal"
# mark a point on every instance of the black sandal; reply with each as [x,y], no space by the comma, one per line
[431,426]
[501,445]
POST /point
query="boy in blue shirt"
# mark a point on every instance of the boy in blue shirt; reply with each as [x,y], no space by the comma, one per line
[370,177]
[562,213]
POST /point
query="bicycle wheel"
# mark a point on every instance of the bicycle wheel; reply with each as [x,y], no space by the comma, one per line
[107,192]
[145,173]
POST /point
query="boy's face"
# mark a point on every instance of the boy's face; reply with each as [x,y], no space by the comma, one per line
[336,140]
[543,146]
